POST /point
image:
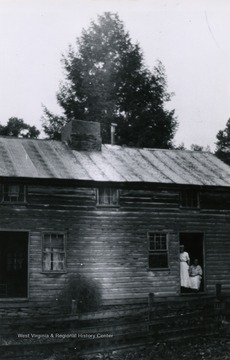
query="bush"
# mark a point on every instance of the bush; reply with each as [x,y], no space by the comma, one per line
[85,291]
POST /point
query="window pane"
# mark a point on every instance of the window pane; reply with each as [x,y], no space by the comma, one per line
[58,266]
[21,197]
[157,241]
[158,253]
[158,260]
[158,244]
[57,243]
[47,241]
[104,196]
[13,190]
[152,245]
[53,252]
[13,193]
[58,262]
[47,261]
[189,199]
[194,199]
[14,261]
[107,196]
[163,243]
[114,196]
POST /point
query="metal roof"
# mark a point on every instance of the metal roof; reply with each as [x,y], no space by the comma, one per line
[51,159]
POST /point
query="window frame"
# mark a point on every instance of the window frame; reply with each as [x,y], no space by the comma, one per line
[192,199]
[158,251]
[22,193]
[64,252]
[110,204]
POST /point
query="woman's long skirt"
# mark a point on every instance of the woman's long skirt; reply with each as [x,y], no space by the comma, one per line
[184,275]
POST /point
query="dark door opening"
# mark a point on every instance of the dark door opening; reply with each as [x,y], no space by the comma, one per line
[13,264]
[194,245]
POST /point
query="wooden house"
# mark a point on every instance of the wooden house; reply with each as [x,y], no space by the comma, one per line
[114,214]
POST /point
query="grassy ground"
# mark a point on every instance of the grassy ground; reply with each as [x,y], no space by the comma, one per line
[208,348]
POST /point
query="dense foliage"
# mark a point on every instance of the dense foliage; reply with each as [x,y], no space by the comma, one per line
[223,143]
[16,127]
[107,81]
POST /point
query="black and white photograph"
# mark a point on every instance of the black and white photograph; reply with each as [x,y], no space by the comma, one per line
[114,180]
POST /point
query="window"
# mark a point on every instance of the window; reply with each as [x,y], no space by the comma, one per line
[158,250]
[13,264]
[107,197]
[14,193]
[54,252]
[189,199]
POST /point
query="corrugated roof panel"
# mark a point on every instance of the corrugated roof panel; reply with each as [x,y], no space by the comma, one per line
[40,160]
[106,161]
[140,163]
[205,173]
[185,167]
[155,167]
[219,171]
[123,163]
[71,166]
[87,162]
[54,159]
[6,163]
[167,169]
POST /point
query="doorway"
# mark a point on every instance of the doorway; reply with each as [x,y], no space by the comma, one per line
[194,245]
[13,264]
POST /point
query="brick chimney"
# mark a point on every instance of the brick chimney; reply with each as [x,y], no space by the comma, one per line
[82,135]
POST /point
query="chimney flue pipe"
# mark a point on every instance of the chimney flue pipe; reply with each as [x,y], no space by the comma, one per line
[113,130]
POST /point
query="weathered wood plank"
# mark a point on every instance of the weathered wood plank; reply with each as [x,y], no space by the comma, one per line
[110,244]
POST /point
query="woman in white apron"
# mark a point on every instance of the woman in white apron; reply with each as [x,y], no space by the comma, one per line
[195,273]
[184,268]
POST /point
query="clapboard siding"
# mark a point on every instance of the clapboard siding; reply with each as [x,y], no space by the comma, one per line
[149,199]
[110,244]
[58,196]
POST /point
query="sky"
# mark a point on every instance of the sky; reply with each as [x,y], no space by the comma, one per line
[190,37]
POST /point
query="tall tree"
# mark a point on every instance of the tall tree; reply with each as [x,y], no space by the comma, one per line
[196,147]
[107,81]
[18,128]
[223,143]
